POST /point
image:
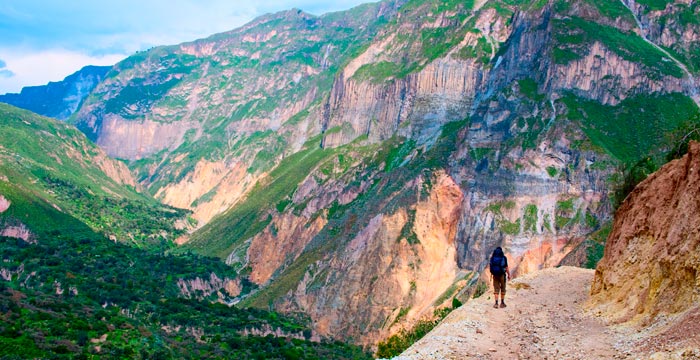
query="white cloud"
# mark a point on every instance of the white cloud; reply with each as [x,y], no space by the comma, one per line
[38,68]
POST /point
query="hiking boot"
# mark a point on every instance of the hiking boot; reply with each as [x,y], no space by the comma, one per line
[495,306]
[503,304]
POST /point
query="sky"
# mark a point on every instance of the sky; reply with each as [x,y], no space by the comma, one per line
[47,40]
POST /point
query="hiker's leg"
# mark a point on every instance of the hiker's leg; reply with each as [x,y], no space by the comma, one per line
[503,291]
[496,289]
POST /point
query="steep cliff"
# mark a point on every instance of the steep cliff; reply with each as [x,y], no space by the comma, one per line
[59,99]
[651,262]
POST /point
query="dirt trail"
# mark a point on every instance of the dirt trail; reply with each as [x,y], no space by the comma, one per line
[545,319]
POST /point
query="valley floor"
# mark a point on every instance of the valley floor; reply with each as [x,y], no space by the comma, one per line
[546,318]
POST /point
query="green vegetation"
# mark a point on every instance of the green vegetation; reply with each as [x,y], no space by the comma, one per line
[438,41]
[552,171]
[412,50]
[509,228]
[528,87]
[396,344]
[381,71]
[613,10]
[481,289]
[565,214]
[128,221]
[655,5]
[73,287]
[595,246]
[566,206]
[634,127]
[452,290]
[672,147]
[481,51]
[575,35]
[407,230]
[225,231]
[56,162]
[530,218]
[142,93]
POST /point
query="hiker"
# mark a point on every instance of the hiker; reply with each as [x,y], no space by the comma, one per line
[499,274]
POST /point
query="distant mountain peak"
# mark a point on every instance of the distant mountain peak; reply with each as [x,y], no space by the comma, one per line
[59,99]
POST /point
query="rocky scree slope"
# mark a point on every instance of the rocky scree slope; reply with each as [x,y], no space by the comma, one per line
[368,191]
[58,99]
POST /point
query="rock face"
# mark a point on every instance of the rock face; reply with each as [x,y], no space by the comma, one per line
[18,232]
[59,99]
[383,272]
[651,262]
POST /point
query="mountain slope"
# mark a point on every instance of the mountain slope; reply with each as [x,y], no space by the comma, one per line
[203,120]
[364,184]
[67,291]
[55,162]
[527,170]
[58,99]
[643,292]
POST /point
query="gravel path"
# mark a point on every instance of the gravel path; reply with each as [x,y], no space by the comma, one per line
[545,319]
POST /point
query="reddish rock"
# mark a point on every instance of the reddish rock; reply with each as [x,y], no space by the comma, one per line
[652,258]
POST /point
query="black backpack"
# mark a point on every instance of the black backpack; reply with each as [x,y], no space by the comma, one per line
[498,263]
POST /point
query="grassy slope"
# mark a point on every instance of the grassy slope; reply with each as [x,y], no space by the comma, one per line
[56,162]
[634,128]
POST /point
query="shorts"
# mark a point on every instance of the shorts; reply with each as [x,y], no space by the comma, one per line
[499,284]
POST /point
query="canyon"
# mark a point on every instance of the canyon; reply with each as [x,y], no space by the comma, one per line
[360,166]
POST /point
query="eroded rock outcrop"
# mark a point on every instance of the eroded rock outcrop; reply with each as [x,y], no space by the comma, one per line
[204,288]
[651,264]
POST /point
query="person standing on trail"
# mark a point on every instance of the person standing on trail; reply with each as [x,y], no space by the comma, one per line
[498,265]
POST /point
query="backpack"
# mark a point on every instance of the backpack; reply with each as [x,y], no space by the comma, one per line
[498,264]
